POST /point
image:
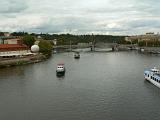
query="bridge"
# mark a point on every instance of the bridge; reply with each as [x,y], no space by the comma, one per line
[93,47]
[127,47]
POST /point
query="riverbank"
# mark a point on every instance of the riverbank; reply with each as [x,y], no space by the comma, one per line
[22,61]
[145,50]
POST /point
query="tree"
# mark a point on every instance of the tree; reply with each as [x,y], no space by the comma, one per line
[28,40]
[142,43]
[19,33]
[1,34]
[45,47]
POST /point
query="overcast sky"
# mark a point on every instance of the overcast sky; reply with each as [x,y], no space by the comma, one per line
[116,17]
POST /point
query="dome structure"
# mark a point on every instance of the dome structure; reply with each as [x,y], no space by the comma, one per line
[35,48]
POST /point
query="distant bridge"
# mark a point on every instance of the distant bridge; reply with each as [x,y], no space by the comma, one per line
[71,46]
[105,45]
[91,46]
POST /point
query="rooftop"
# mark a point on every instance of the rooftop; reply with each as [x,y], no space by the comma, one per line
[12,47]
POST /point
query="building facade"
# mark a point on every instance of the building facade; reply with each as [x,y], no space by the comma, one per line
[146,37]
[11,46]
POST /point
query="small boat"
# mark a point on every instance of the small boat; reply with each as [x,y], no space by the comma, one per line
[76,55]
[153,76]
[60,69]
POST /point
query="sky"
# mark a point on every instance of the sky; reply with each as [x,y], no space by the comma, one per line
[107,17]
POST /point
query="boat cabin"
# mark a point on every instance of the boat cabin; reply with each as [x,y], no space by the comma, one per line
[155,70]
[60,71]
[76,55]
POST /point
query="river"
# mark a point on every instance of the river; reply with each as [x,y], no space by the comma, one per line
[98,86]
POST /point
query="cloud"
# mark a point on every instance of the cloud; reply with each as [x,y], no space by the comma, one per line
[12,6]
[80,16]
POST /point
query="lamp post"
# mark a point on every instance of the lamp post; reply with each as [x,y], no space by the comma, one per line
[70,45]
[55,44]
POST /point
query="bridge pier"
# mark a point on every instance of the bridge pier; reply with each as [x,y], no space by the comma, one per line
[92,48]
[113,49]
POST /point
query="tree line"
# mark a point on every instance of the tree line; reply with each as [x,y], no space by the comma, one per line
[64,39]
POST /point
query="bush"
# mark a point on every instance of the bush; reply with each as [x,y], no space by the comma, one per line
[45,47]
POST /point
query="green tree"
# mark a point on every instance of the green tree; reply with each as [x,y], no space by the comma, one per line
[142,43]
[1,34]
[45,47]
[28,40]
[19,33]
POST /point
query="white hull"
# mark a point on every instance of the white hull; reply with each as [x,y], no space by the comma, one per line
[153,82]
[60,69]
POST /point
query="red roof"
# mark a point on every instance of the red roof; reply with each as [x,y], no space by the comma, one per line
[12,47]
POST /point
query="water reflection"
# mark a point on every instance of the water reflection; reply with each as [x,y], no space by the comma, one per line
[12,71]
[98,86]
[61,77]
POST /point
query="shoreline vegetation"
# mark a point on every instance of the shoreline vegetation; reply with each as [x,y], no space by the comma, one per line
[66,39]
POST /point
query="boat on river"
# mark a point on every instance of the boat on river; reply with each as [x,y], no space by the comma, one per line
[76,55]
[153,76]
[60,71]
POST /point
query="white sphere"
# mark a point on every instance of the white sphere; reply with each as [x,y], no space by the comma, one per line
[35,48]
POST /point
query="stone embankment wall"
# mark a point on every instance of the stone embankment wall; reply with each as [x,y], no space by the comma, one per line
[154,50]
[21,61]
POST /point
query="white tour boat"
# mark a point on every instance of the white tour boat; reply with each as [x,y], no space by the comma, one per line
[60,69]
[153,76]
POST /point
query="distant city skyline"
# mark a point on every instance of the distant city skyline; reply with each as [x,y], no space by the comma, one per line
[121,17]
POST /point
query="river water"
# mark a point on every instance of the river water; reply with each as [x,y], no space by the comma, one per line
[98,86]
